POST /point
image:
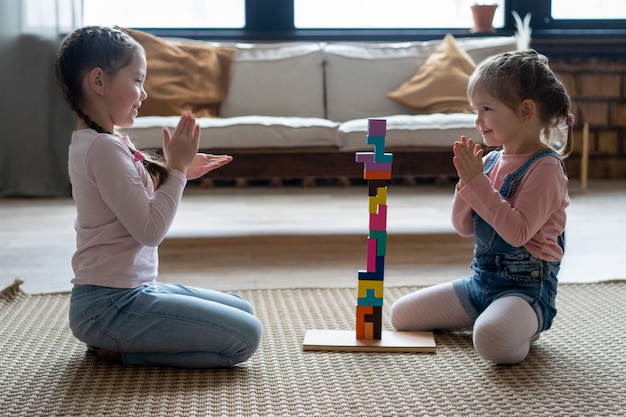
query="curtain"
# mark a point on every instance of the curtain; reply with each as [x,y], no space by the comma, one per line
[35,122]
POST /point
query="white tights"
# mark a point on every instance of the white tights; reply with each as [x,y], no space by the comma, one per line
[502,333]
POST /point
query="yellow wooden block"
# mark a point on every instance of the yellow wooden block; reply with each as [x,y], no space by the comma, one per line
[379,198]
[369,284]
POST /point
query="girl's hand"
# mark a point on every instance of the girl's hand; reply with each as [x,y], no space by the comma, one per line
[204,163]
[181,147]
[467,159]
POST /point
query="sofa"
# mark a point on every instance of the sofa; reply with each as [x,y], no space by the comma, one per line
[300,109]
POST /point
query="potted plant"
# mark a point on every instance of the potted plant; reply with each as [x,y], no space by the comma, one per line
[483,17]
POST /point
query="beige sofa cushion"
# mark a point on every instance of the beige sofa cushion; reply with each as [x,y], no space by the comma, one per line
[360,75]
[276,79]
[440,85]
[243,132]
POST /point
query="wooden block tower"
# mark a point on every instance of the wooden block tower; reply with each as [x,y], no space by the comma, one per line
[369,309]
[377,171]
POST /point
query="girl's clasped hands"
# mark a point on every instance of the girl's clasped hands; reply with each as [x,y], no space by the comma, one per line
[181,149]
[467,159]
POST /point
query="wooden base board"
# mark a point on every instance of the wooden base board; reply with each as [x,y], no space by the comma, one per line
[391,341]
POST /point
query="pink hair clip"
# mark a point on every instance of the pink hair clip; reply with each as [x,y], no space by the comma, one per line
[570,119]
[138,156]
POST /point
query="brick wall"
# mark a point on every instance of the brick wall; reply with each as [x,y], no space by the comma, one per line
[597,87]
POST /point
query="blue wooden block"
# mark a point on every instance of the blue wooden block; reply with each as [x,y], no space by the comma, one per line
[370,300]
[379,149]
[383,157]
[377,275]
[380,264]
[376,141]
[378,267]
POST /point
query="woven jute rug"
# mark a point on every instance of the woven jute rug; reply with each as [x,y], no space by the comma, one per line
[577,368]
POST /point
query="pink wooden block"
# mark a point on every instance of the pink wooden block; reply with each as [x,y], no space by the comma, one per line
[378,221]
[371,255]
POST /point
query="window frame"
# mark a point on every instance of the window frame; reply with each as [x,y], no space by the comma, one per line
[273,20]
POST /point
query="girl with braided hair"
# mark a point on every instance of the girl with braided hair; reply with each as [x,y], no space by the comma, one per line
[512,201]
[126,202]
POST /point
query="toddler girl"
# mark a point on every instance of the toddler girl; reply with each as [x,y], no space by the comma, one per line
[513,202]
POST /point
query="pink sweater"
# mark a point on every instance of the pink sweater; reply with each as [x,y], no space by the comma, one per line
[120,218]
[533,217]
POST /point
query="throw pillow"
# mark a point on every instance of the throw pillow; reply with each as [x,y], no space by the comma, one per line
[184,76]
[440,85]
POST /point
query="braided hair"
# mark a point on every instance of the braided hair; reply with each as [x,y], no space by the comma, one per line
[107,48]
[512,77]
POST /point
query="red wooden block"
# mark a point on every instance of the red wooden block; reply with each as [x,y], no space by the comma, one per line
[377,175]
[361,312]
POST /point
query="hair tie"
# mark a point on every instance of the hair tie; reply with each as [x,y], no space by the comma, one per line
[138,156]
[570,120]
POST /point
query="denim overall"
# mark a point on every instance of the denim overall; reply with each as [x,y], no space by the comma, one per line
[502,270]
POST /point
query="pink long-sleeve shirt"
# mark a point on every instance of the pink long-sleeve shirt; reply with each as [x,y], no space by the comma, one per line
[120,218]
[533,217]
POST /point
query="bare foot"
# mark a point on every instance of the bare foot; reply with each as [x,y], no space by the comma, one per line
[109,354]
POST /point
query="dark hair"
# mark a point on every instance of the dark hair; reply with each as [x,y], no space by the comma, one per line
[512,77]
[98,47]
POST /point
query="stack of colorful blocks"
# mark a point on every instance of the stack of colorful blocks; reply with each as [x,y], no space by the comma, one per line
[369,309]
[377,172]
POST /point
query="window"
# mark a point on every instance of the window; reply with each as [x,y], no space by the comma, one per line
[165,13]
[598,9]
[412,14]
[359,20]
[35,16]
[568,15]
[308,14]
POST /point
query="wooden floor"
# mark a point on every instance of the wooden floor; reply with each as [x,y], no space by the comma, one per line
[231,238]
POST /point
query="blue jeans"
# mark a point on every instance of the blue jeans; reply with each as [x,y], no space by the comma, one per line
[529,278]
[166,324]
[501,270]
